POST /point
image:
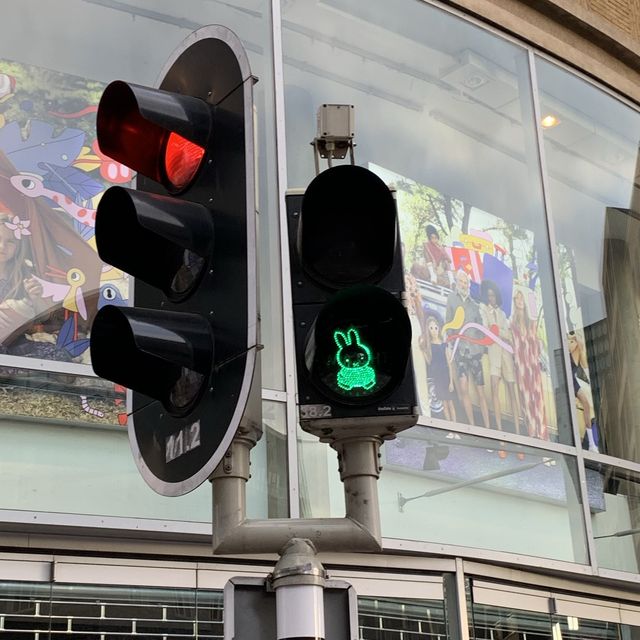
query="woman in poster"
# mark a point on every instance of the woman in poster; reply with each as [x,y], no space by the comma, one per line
[579,368]
[439,362]
[501,365]
[20,292]
[526,349]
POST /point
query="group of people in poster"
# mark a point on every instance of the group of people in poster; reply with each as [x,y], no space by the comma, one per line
[480,335]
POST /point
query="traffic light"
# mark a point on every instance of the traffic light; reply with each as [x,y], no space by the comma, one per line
[352,329]
[187,348]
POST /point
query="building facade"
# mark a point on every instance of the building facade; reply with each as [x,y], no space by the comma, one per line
[509,130]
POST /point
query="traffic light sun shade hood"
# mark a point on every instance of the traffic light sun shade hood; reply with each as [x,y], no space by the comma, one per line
[159,134]
[179,232]
[347,227]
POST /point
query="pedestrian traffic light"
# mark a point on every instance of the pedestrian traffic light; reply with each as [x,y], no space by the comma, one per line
[353,334]
[187,348]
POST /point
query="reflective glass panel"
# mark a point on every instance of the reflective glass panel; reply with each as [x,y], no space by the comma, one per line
[48,467]
[503,611]
[494,623]
[24,608]
[591,149]
[460,489]
[443,113]
[614,501]
[56,60]
[498,623]
[457,489]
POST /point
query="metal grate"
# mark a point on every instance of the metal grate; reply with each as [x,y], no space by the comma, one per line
[395,619]
[44,612]
[37,611]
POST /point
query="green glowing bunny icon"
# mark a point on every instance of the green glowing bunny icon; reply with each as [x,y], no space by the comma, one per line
[353,357]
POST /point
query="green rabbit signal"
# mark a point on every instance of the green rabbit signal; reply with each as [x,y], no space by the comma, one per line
[353,358]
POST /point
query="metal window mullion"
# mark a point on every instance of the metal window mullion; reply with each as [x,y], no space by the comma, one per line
[48,366]
[287,306]
[617,463]
[544,176]
[461,596]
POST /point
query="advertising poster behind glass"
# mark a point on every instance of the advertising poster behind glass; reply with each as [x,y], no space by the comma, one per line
[479,338]
[52,282]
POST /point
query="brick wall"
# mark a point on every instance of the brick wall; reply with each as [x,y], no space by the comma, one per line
[623,14]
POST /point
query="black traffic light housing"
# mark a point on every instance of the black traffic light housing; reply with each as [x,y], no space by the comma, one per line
[187,348]
[352,329]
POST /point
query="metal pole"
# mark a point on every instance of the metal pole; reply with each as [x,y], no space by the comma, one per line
[359,466]
[299,580]
[359,530]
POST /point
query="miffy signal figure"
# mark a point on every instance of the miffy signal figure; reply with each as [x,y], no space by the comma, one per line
[354,358]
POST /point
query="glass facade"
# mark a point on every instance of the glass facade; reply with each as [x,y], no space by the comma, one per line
[40,610]
[444,114]
[519,219]
[593,201]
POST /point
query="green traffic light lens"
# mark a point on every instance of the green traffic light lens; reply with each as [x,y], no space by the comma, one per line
[358,347]
[354,360]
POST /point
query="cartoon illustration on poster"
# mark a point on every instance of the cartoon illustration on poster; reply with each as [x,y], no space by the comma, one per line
[480,345]
[52,175]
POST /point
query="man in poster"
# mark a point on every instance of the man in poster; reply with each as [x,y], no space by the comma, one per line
[462,310]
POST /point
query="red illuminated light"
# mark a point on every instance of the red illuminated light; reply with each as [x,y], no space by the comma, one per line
[182,159]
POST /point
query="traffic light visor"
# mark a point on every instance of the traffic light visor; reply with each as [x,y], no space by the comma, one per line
[162,240]
[347,230]
[159,134]
[164,355]
[358,348]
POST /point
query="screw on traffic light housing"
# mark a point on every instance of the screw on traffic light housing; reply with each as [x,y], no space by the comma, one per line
[187,348]
[353,334]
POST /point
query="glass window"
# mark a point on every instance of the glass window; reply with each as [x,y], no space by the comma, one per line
[500,611]
[52,174]
[443,113]
[401,619]
[448,488]
[83,470]
[55,61]
[614,501]
[591,146]
[464,490]
[81,611]
[24,608]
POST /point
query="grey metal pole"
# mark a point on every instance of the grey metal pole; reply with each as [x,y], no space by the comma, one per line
[298,580]
[359,530]
[359,466]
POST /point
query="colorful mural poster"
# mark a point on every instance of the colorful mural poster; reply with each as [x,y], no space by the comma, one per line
[52,176]
[479,339]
